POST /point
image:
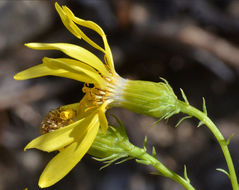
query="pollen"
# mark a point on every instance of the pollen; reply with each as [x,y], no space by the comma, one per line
[56,119]
[67,114]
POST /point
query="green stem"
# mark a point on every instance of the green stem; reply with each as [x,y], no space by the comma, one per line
[190,110]
[144,157]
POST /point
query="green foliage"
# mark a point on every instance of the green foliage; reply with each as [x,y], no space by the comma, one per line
[223,171]
[181,120]
[185,174]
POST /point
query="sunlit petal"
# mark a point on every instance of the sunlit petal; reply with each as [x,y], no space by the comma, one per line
[84,71]
[64,161]
[38,71]
[73,51]
[102,117]
[54,140]
[46,70]
[86,23]
[72,27]
[67,22]
[62,137]
[93,26]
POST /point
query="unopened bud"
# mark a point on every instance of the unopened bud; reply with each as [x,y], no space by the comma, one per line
[149,98]
[114,144]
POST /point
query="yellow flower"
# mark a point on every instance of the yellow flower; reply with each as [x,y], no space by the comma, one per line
[71,129]
[81,121]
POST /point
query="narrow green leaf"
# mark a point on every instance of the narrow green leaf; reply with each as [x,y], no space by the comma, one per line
[156,122]
[204,106]
[145,143]
[229,139]
[124,160]
[156,173]
[181,120]
[145,162]
[184,96]
[121,128]
[185,174]
[166,84]
[106,165]
[117,120]
[169,115]
[154,154]
[200,124]
[109,162]
[223,171]
[106,158]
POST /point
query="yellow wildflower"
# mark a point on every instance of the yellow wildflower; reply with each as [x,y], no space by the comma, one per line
[71,129]
[81,120]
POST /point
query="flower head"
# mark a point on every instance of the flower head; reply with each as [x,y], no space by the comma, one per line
[81,121]
[82,65]
[71,129]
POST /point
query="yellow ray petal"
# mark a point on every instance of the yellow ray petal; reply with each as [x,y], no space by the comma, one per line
[44,70]
[54,140]
[64,161]
[73,51]
[93,26]
[102,117]
[67,22]
[72,27]
[63,67]
[86,23]
[62,137]
[36,71]
[76,67]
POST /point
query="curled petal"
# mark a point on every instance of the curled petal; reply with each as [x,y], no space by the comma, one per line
[75,52]
[65,160]
[72,27]
[93,26]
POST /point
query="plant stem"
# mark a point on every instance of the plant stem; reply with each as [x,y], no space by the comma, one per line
[190,110]
[145,158]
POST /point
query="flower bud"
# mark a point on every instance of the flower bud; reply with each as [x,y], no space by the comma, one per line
[110,146]
[149,98]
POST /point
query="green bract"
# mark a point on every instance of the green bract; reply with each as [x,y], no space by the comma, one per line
[150,98]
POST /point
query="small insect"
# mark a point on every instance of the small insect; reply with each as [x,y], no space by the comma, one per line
[56,119]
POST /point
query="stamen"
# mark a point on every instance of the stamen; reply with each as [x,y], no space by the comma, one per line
[111,93]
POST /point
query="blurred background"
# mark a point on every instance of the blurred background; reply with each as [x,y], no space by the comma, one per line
[191,43]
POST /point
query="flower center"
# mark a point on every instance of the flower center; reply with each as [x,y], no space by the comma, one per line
[111,94]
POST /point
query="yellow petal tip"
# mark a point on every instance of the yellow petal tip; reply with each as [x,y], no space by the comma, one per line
[30,45]
[42,184]
[29,146]
[26,147]
[27,45]
[56,4]
[18,77]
